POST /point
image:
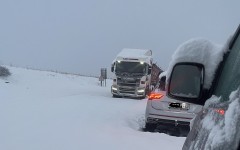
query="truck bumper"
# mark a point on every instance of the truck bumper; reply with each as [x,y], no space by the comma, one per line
[128,91]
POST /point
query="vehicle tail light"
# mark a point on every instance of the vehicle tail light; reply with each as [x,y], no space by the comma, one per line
[156,96]
[220,111]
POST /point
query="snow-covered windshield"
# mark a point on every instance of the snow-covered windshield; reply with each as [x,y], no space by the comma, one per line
[130,67]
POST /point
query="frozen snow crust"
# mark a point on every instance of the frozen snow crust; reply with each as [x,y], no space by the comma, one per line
[202,51]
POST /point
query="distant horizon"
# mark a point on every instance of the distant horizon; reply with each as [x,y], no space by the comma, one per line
[54,71]
[84,36]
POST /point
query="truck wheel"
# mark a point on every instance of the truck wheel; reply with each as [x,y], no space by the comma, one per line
[115,96]
[140,98]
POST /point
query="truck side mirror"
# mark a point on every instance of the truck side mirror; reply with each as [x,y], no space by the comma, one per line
[186,82]
[112,68]
[149,70]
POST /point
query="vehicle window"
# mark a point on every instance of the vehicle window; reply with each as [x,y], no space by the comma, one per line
[186,81]
[132,67]
[230,77]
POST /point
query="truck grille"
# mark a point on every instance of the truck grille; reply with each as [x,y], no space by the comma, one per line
[130,82]
[127,90]
[128,85]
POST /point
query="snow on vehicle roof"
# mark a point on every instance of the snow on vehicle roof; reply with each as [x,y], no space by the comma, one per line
[164,73]
[201,51]
[141,54]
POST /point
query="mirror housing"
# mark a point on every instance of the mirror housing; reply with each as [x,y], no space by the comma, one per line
[112,67]
[186,82]
[149,70]
[162,83]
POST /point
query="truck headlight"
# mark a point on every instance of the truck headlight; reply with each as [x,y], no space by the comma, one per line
[114,88]
[141,90]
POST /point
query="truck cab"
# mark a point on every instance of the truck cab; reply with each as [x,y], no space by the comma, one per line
[132,73]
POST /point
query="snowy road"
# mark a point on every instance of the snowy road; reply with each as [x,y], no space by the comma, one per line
[48,111]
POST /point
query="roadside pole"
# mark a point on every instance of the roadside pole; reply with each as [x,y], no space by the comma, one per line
[103,77]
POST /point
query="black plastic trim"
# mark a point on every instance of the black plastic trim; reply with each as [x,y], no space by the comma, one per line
[185,99]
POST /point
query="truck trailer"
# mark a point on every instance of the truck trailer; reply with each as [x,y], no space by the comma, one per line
[134,72]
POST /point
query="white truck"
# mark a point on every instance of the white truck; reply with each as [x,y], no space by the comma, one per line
[133,71]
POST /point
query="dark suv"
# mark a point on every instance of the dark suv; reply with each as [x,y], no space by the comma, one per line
[217,126]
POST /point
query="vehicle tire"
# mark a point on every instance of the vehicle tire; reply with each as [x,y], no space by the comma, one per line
[150,127]
[115,96]
[142,97]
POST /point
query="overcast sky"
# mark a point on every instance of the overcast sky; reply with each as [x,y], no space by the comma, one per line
[83,36]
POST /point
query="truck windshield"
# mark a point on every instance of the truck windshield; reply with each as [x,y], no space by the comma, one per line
[131,67]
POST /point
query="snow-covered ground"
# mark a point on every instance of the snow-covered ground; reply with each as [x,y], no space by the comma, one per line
[48,111]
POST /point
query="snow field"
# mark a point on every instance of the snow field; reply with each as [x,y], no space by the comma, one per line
[45,110]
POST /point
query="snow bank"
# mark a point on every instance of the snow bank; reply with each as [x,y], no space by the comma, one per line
[200,51]
[42,110]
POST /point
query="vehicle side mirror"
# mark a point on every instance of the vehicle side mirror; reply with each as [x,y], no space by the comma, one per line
[112,68]
[149,70]
[162,83]
[186,83]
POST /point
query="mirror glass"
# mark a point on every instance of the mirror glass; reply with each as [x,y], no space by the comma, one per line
[186,81]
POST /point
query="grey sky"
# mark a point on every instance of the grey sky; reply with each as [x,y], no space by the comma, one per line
[82,36]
